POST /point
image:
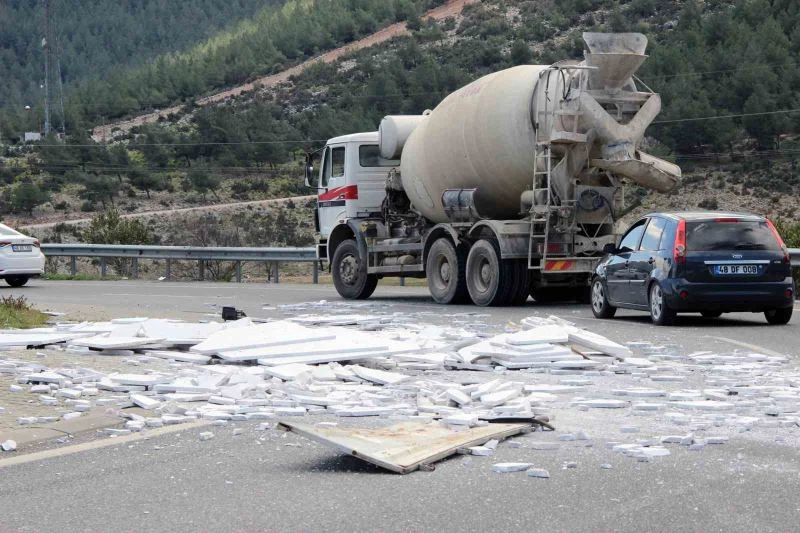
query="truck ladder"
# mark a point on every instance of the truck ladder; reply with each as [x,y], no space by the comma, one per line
[544,205]
[540,211]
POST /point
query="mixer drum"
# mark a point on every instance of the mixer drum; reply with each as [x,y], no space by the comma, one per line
[479,137]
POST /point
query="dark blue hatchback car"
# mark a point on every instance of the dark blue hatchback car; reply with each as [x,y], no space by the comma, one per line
[706,262]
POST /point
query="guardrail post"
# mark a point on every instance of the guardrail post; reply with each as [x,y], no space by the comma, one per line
[135,268]
[73,267]
[103,267]
[315,273]
[168,273]
[202,270]
[238,271]
[277,272]
[402,281]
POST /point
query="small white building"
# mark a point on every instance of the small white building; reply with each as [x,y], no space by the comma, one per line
[32,136]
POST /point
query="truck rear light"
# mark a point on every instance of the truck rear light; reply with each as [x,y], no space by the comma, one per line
[684,294]
[554,248]
[679,252]
[788,293]
[786,259]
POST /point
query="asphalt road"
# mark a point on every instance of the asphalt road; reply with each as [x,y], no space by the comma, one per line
[272,481]
[109,299]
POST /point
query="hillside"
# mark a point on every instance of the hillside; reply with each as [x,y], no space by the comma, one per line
[141,66]
[726,71]
[96,37]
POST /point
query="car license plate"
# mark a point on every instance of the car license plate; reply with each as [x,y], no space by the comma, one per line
[21,247]
[736,270]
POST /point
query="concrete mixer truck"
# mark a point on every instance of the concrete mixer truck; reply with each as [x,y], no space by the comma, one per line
[510,187]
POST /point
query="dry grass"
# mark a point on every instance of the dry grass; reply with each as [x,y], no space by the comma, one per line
[16,312]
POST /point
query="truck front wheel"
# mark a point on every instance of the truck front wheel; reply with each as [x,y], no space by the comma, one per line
[446,269]
[349,273]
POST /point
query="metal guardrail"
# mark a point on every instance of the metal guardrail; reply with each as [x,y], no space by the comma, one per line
[273,256]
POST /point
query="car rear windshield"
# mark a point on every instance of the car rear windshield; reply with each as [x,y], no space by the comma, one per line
[711,235]
[5,231]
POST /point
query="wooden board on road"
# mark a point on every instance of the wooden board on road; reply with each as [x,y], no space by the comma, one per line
[403,447]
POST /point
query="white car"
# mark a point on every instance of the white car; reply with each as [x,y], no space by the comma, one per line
[21,257]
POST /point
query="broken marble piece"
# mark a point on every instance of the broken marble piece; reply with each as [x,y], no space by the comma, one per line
[141,380]
[145,402]
[461,419]
[289,372]
[598,343]
[604,404]
[380,377]
[538,472]
[553,334]
[174,355]
[248,336]
[481,451]
[106,342]
[503,468]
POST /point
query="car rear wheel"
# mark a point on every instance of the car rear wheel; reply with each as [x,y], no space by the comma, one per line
[660,312]
[17,281]
[711,314]
[600,306]
[778,316]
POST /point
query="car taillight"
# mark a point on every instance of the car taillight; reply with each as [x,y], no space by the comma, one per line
[5,243]
[786,259]
[726,220]
[679,252]
[37,244]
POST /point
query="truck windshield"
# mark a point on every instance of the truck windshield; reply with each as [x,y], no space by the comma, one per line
[736,235]
[369,155]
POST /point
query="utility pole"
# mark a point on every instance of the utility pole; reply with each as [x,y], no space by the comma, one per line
[61,92]
[47,47]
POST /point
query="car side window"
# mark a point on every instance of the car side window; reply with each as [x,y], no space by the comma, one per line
[652,235]
[668,237]
[631,239]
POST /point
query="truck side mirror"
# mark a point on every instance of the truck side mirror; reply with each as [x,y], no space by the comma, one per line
[309,171]
[610,249]
[309,174]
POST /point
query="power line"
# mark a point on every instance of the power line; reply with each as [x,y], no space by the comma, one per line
[716,117]
[210,143]
[721,71]
[274,172]
[312,141]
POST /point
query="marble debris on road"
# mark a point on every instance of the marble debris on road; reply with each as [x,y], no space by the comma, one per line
[398,367]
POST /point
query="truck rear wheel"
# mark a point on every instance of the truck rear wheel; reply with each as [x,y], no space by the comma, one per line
[446,270]
[489,279]
[522,282]
[349,272]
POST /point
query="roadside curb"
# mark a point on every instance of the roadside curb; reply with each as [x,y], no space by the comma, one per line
[26,436]
[13,460]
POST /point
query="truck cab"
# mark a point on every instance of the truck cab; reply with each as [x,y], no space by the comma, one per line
[351,183]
